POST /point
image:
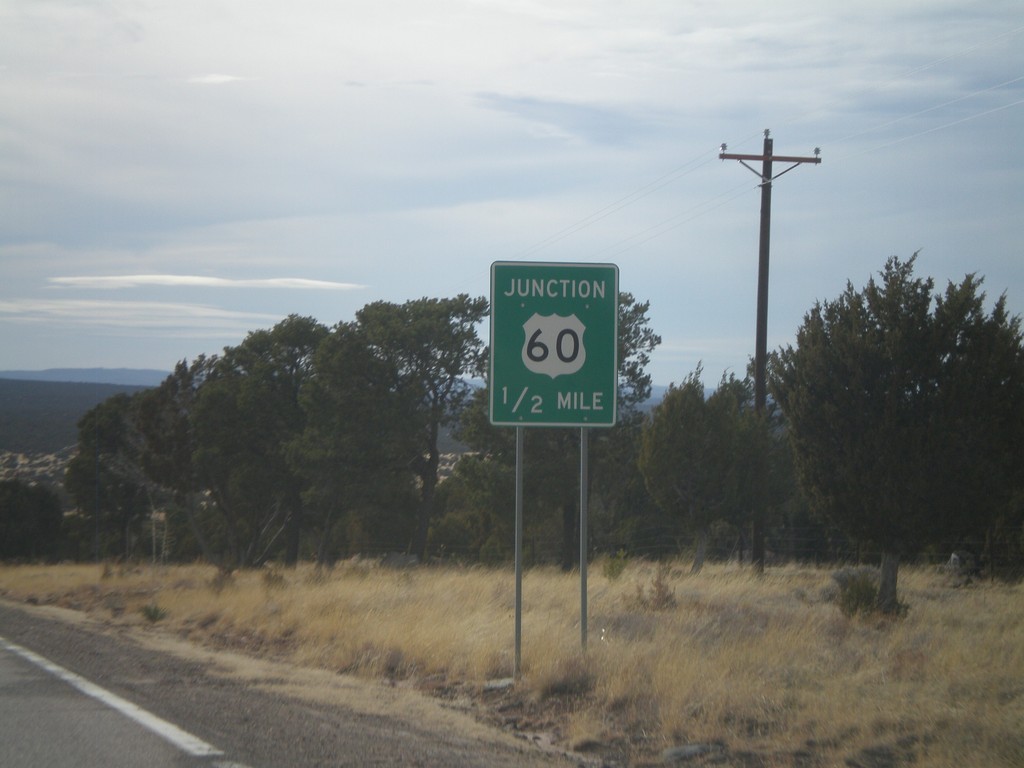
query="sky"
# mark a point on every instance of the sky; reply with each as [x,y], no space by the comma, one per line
[175,175]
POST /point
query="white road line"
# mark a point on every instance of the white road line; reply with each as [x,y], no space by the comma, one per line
[186,742]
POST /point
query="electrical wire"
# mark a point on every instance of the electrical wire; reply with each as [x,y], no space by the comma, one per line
[906,75]
[680,171]
[663,227]
[667,225]
[705,207]
[912,115]
[936,128]
[618,205]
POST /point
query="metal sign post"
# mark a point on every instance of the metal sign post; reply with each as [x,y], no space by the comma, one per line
[517,666]
[554,363]
[584,482]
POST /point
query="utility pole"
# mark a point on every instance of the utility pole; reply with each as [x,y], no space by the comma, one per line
[761,337]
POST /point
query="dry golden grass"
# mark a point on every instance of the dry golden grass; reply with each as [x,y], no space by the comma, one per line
[764,666]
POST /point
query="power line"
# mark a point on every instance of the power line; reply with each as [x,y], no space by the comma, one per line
[905,75]
[674,222]
[690,214]
[897,78]
[965,51]
[936,128]
[618,205]
[920,112]
[664,229]
[641,192]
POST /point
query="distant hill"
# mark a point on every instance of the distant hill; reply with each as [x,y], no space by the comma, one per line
[42,416]
[135,377]
[40,410]
[658,393]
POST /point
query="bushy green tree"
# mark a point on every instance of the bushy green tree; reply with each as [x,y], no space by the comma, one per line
[30,521]
[246,412]
[699,454]
[478,522]
[353,452]
[166,420]
[434,346]
[905,412]
[103,477]
[295,429]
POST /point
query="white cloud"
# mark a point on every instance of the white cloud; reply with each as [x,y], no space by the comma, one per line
[130,314]
[200,281]
[216,79]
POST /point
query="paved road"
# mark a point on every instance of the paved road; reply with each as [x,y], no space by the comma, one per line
[44,721]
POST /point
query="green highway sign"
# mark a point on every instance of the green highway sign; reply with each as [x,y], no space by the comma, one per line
[554,344]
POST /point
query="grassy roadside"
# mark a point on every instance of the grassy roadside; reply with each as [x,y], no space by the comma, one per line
[764,671]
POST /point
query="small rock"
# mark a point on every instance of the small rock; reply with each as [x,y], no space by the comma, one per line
[499,685]
[688,752]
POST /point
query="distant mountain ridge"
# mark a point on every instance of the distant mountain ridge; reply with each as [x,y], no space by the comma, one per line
[40,410]
[131,377]
[42,416]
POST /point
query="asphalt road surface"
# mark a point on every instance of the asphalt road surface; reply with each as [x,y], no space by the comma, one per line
[73,694]
[45,721]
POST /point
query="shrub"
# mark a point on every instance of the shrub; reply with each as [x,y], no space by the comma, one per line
[613,567]
[274,579]
[572,676]
[221,581]
[858,589]
[153,612]
[660,597]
